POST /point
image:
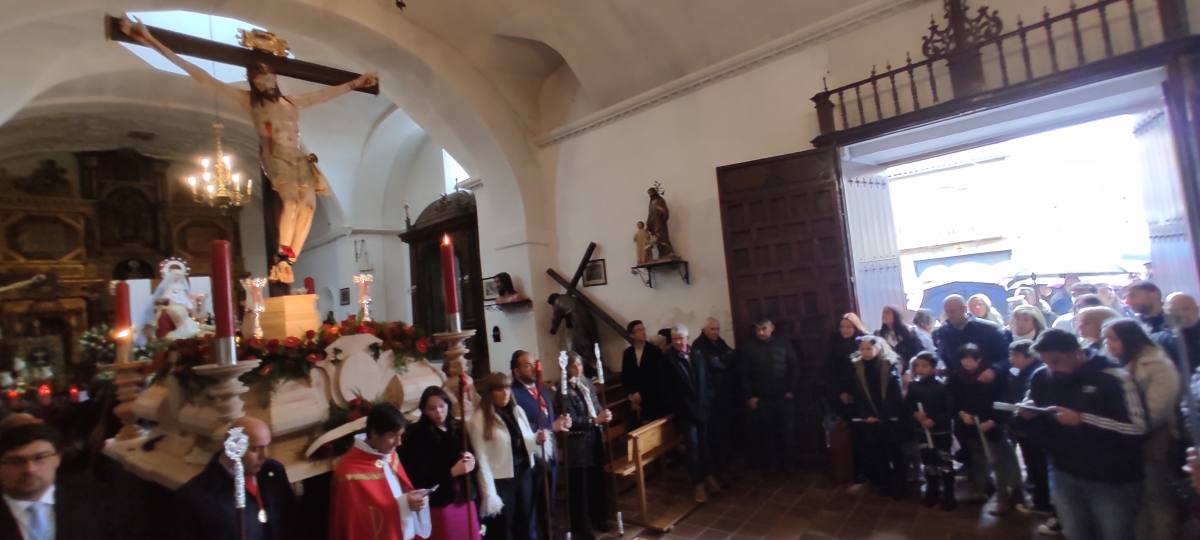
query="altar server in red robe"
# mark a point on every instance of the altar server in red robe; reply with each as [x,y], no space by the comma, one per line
[373,498]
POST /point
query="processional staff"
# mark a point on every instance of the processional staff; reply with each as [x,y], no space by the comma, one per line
[562,407]
[612,479]
[547,520]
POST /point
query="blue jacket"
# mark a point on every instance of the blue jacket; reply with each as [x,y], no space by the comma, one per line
[984,334]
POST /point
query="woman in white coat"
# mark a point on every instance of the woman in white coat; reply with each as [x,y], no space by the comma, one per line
[1158,382]
[504,446]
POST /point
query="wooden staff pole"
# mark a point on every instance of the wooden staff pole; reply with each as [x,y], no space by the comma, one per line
[562,408]
[547,520]
[466,446]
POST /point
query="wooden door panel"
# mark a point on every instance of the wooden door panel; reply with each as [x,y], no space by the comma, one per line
[786,257]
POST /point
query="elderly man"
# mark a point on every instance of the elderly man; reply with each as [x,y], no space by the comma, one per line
[962,328]
[1090,324]
[724,381]
[1181,310]
[1066,322]
[689,396]
[208,505]
[770,374]
[1146,300]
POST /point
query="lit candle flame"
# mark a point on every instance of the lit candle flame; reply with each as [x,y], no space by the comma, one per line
[123,333]
[191,180]
[210,189]
[206,176]
[204,162]
[445,239]
[228,160]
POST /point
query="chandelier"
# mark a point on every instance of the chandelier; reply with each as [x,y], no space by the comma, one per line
[217,185]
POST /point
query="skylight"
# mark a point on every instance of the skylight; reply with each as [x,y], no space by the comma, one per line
[211,27]
[454,173]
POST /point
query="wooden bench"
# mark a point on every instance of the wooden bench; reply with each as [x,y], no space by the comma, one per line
[645,445]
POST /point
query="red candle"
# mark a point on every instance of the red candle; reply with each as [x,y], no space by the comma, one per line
[122,323]
[449,281]
[73,393]
[310,285]
[222,287]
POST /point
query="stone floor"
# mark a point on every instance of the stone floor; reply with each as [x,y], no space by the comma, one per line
[808,506]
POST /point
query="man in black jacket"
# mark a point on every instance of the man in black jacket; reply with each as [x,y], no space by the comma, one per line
[1093,433]
[207,500]
[960,329]
[686,385]
[38,504]
[724,380]
[770,372]
[642,373]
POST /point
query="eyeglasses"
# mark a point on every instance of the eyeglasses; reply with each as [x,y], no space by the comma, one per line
[21,461]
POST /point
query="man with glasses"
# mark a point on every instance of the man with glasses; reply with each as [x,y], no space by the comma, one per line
[33,508]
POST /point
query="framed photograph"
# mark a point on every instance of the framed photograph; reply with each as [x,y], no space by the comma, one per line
[595,274]
[491,289]
[344,296]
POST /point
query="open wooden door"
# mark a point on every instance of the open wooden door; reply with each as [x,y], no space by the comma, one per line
[877,279]
[1181,91]
[786,256]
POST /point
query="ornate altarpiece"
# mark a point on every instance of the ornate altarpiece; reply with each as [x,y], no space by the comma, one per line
[115,221]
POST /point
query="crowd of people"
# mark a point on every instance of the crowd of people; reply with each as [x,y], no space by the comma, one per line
[1069,410]
[1085,425]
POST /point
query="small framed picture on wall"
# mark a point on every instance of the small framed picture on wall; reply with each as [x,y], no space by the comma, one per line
[344,296]
[595,274]
[491,289]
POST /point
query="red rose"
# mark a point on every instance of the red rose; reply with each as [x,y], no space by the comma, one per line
[273,346]
[291,342]
[264,370]
[312,358]
[353,416]
[422,345]
[364,329]
[310,335]
[254,343]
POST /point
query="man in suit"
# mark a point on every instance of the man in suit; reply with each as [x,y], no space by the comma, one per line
[38,505]
[641,374]
[207,500]
[686,385]
[537,401]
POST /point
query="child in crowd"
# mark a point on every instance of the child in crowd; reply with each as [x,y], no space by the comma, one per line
[1024,362]
[880,424]
[980,430]
[929,403]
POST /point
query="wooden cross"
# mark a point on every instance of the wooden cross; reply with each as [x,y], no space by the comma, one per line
[238,56]
[572,288]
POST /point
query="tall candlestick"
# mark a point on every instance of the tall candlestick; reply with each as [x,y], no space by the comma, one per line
[450,284]
[222,295]
[599,363]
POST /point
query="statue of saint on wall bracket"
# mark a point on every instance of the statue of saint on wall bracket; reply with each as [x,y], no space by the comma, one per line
[659,242]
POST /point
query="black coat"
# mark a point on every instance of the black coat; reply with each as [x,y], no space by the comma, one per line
[976,398]
[646,379]
[428,453]
[841,370]
[723,372]
[770,368]
[686,384]
[208,513]
[935,397]
[583,441]
[907,345]
[78,514]
[986,335]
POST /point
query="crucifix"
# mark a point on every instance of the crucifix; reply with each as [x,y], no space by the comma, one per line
[287,163]
[579,311]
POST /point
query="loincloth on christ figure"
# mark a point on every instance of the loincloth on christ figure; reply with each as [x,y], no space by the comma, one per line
[293,171]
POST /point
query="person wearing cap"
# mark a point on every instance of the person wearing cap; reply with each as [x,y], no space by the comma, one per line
[1093,431]
[38,504]
[505,446]
[208,510]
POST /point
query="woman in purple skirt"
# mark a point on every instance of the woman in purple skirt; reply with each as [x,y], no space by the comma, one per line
[435,454]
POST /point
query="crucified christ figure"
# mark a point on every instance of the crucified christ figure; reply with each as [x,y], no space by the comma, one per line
[292,169]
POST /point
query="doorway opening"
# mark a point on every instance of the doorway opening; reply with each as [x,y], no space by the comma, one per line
[1093,198]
